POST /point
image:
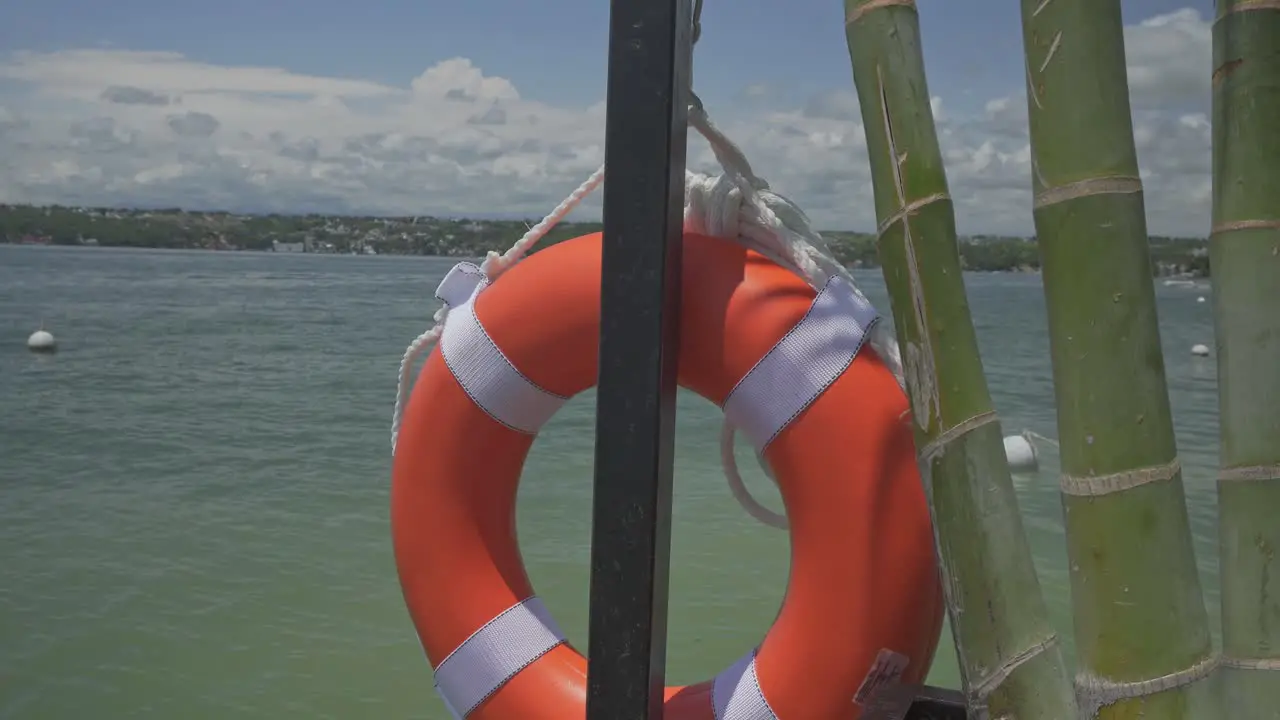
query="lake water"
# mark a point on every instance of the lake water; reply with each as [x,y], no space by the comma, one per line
[194,491]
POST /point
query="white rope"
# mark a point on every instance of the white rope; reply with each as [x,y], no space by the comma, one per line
[767,223]
[494,266]
[739,489]
[1030,435]
[736,204]
[739,204]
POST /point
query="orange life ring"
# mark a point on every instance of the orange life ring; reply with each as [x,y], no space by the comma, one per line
[864,601]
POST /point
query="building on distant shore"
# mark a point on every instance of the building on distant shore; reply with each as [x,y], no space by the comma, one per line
[278,246]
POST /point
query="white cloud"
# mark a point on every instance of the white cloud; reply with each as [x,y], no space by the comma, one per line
[1170,60]
[84,73]
[158,129]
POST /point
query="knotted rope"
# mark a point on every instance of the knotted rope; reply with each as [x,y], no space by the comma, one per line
[736,204]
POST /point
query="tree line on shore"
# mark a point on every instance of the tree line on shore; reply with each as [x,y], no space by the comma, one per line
[179,229]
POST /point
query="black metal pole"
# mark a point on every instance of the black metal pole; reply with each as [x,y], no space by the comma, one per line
[932,703]
[648,91]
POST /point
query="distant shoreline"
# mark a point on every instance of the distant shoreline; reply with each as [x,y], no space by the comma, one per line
[176,229]
[1176,278]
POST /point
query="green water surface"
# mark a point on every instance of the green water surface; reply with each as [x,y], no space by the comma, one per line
[194,491]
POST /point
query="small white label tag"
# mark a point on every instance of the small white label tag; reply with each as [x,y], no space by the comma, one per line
[460,284]
[892,702]
[885,671]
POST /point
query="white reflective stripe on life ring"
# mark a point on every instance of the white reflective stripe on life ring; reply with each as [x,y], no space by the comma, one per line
[803,364]
[494,654]
[736,693]
[489,378]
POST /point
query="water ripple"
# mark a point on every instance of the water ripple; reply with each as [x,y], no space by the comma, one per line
[194,492]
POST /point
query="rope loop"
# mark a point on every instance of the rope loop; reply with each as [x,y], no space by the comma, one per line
[736,204]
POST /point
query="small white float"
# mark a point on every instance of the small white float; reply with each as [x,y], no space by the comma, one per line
[1021,453]
[1200,350]
[42,341]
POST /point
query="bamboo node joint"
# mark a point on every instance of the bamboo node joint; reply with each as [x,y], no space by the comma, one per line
[982,690]
[912,208]
[1118,185]
[1239,225]
[1272,664]
[1254,473]
[936,446]
[858,12]
[1249,6]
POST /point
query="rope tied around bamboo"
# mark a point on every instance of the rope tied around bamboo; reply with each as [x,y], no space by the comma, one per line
[1244,254]
[1099,485]
[1255,473]
[1010,656]
[1138,612]
[982,689]
[1094,693]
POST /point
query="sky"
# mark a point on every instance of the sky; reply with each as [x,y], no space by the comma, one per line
[496,107]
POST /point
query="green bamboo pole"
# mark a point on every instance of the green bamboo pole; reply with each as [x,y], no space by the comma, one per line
[1245,257]
[1142,631]
[1010,660]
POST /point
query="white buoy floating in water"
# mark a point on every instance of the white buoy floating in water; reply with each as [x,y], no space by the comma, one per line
[1200,350]
[42,341]
[1200,299]
[1021,454]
